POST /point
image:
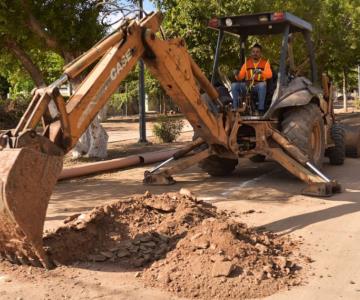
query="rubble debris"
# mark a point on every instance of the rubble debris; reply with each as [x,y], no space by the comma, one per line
[222,268]
[127,231]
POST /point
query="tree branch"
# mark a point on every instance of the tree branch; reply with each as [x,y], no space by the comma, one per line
[26,61]
[38,29]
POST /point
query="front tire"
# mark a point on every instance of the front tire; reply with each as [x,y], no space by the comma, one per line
[214,165]
[218,166]
[304,126]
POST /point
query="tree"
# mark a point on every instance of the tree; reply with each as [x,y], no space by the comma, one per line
[26,25]
[4,87]
[41,40]
[335,24]
[188,19]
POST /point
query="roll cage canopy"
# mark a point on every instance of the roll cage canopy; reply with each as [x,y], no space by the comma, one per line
[266,23]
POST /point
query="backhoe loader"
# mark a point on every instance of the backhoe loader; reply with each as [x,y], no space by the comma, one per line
[31,159]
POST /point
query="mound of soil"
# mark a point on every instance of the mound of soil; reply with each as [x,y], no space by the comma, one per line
[223,259]
[133,232]
[181,245]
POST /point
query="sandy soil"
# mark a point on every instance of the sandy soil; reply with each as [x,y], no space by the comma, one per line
[329,227]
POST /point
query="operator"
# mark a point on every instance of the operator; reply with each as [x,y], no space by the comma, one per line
[255,71]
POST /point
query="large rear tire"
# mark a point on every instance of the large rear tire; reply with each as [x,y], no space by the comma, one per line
[304,126]
[218,166]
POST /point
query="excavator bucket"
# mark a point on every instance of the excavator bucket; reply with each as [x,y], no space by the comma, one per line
[27,178]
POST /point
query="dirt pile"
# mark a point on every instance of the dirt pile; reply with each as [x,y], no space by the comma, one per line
[223,259]
[183,245]
[134,232]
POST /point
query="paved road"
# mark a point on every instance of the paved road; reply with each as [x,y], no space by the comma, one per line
[330,227]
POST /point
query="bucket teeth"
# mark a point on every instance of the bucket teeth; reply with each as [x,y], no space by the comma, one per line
[23,260]
[35,262]
[16,259]
[12,258]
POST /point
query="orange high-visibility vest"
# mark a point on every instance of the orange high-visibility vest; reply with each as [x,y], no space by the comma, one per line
[250,67]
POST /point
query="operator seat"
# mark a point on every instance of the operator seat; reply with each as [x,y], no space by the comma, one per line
[224,94]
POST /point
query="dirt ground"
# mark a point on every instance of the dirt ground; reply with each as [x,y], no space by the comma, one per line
[329,228]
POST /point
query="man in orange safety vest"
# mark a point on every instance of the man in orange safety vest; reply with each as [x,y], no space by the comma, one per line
[255,70]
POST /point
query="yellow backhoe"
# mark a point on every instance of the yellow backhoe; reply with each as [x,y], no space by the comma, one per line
[31,159]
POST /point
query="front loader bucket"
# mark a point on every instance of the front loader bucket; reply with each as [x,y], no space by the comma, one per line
[27,178]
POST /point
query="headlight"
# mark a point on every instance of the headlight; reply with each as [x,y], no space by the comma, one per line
[263,18]
[228,22]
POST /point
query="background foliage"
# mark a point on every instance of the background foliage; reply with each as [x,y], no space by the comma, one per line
[336,26]
[51,33]
[168,129]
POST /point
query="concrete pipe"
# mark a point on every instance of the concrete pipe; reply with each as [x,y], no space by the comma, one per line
[119,163]
[153,157]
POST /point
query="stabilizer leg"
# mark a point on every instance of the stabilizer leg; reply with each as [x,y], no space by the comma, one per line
[164,177]
[317,185]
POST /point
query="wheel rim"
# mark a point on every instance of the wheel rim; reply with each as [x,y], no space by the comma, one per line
[315,142]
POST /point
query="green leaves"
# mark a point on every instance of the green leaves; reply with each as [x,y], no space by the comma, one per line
[336,33]
[49,32]
[75,26]
[167,129]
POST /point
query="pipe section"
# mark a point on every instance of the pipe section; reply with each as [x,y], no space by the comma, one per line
[113,164]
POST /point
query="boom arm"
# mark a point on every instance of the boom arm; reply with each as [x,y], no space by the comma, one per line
[168,61]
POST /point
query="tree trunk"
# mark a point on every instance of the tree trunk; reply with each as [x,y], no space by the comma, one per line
[37,29]
[103,113]
[359,82]
[344,90]
[93,143]
[26,62]
[164,105]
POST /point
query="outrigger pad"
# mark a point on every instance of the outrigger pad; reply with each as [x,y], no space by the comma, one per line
[322,189]
[27,178]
